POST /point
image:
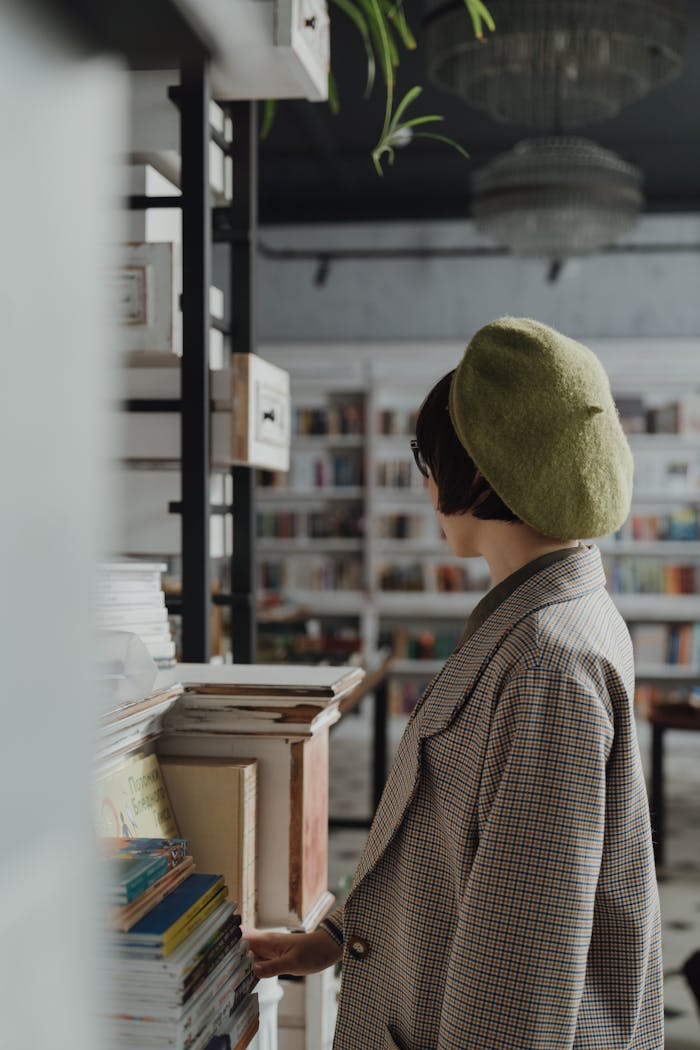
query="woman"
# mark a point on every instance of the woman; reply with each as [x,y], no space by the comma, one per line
[506,896]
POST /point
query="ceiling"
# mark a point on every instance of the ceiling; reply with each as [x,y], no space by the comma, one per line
[316,167]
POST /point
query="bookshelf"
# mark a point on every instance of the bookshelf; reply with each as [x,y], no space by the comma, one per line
[248,788]
[310,523]
[411,582]
[205,496]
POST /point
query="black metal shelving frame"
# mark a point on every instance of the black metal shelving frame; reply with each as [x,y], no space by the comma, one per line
[235,224]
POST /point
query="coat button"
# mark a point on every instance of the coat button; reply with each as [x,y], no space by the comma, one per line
[358,947]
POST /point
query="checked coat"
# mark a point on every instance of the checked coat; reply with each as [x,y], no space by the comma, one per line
[506,896]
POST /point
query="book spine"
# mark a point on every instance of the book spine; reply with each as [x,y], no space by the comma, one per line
[209,962]
[172,939]
[218,1000]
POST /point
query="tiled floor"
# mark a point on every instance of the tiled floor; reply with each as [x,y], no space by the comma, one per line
[679,883]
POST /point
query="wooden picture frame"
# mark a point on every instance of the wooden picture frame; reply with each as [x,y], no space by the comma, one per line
[144,298]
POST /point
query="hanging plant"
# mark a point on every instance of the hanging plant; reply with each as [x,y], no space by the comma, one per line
[383,28]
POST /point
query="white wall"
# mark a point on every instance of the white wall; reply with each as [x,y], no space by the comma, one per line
[447,299]
[60,118]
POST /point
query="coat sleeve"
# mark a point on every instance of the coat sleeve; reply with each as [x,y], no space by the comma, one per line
[333,925]
[516,970]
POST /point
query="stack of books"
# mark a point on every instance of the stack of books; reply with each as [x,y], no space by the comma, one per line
[130,598]
[180,974]
[259,699]
[139,874]
[131,724]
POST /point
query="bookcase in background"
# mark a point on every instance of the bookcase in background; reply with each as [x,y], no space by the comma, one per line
[311,525]
[415,596]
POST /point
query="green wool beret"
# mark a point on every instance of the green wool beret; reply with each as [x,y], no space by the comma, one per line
[534,411]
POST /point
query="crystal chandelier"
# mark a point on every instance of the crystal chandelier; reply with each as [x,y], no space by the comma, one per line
[554,64]
[556,197]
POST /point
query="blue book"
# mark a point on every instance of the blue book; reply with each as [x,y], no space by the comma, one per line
[128,876]
[181,910]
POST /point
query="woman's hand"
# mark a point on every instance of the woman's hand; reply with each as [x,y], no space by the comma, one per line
[292,953]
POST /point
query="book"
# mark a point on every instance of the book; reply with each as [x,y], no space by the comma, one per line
[140,991]
[270,682]
[215,804]
[156,949]
[228,1008]
[130,598]
[125,877]
[131,801]
[174,850]
[230,968]
[173,970]
[122,919]
[292,817]
[650,643]
[163,926]
[133,712]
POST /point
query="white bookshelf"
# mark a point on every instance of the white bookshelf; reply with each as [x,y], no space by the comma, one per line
[418,604]
[658,608]
[307,545]
[667,674]
[321,494]
[395,378]
[679,550]
[311,441]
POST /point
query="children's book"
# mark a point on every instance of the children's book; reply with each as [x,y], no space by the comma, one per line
[174,850]
[127,876]
[174,970]
[176,916]
[132,801]
[128,915]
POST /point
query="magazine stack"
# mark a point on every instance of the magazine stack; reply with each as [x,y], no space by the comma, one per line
[177,968]
[130,597]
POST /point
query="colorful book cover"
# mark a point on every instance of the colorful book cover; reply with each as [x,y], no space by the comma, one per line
[154,949]
[164,922]
[129,914]
[128,876]
[174,850]
[132,801]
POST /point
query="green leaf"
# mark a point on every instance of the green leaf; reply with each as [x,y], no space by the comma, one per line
[353,12]
[411,95]
[269,111]
[395,14]
[333,100]
[414,121]
[442,138]
[382,40]
[376,155]
[479,14]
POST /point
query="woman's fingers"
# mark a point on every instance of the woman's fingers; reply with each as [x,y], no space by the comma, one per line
[273,967]
[262,947]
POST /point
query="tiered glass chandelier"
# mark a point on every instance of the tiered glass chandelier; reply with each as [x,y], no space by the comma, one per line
[554,64]
[556,197]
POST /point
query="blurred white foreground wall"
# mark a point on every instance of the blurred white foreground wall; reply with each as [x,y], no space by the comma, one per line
[61,120]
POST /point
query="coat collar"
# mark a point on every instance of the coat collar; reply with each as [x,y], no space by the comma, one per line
[570,578]
[567,579]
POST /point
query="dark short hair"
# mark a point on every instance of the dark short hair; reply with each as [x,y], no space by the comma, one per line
[461,487]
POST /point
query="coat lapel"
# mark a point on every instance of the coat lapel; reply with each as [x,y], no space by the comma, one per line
[452,687]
